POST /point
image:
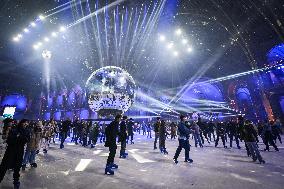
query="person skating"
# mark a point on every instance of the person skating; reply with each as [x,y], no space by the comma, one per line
[162,137]
[211,130]
[64,131]
[268,137]
[232,129]
[32,146]
[123,137]
[46,135]
[94,134]
[173,130]
[196,134]
[201,126]
[103,135]
[276,132]
[220,133]
[149,130]
[250,138]
[130,132]
[144,127]
[183,138]
[85,134]
[75,127]
[111,132]
[13,157]
[156,130]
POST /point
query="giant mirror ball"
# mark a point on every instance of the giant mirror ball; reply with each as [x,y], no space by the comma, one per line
[111,91]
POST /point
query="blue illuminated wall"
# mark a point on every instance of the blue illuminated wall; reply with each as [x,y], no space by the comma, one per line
[15,100]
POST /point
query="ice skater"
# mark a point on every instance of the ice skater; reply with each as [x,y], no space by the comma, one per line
[183,139]
[111,132]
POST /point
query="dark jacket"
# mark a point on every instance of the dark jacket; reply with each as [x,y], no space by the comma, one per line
[250,134]
[66,126]
[130,127]
[163,132]
[183,131]
[156,127]
[220,129]
[16,141]
[111,134]
[122,132]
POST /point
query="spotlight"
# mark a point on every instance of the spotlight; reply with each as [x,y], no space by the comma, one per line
[53,34]
[170,45]
[39,44]
[175,53]
[189,49]
[19,36]
[41,17]
[184,41]
[46,39]
[16,39]
[26,30]
[162,38]
[178,32]
[33,24]
[35,47]
[62,29]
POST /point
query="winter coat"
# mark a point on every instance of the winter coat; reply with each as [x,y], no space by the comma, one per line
[122,132]
[183,131]
[250,134]
[111,132]
[33,144]
[16,141]
[65,126]
[196,129]
[156,127]
[221,130]
[130,127]
[163,132]
[47,131]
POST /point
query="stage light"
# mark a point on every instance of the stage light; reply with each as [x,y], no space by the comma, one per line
[170,45]
[39,44]
[19,36]
[189,49]
[178,32]
[41,17]
[26,30]
[46,39]
[33,24]
[184,41]
[62,29]
[175,53]
[54,34]
[16,39]
[162,38]
[35,47]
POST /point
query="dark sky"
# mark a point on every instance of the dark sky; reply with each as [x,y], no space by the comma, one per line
[230,35]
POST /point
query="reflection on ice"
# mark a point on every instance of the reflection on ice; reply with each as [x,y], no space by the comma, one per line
[83,164]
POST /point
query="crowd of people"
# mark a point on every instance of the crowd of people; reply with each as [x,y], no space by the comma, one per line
[21,141]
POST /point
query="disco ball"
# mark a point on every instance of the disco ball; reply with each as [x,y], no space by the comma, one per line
[111,91]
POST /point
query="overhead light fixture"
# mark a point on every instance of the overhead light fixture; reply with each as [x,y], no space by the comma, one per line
[178,32]
[33,24]
[41,17]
